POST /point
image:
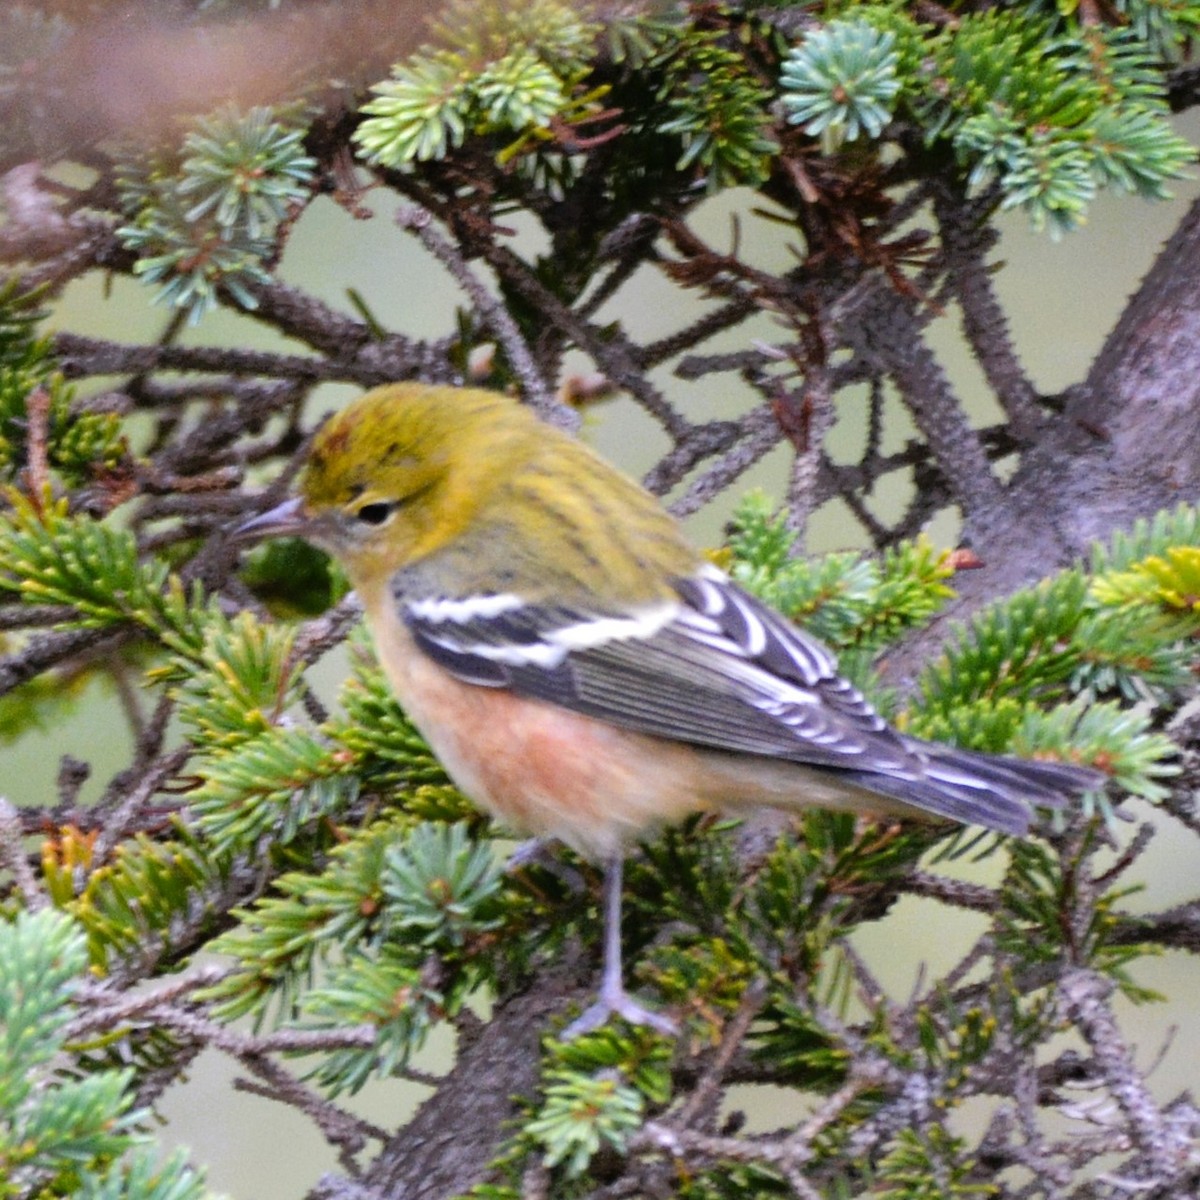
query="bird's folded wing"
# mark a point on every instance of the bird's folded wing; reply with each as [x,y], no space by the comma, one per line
[715,668]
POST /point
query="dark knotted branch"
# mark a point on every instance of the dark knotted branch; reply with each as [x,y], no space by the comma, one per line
[169,1006]
[759,434]
[1176,928]
[1183,798]
[1138,411]
[806,419]
[1164,1147]
[967,236]
[130,793]
[51,276]
[701,442]
[81,357]
[727,316]
[340,338]
[446,1147]
[624,250]
[848,302]
[38,228]
[493,315]
[15,861]
[34,616]
[614,355]
[46,651]
[888,331]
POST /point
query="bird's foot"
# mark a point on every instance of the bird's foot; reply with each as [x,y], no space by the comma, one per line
[545,853]
[617,1002]
[532,852]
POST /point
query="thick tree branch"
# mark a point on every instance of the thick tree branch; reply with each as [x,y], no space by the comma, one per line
[446,1148]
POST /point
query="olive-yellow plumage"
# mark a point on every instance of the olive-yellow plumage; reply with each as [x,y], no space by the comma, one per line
[476,478]
[577,666]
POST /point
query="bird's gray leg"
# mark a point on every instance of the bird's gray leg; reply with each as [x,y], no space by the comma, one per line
[614,1000]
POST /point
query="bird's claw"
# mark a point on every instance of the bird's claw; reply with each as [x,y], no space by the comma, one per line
[618,1004]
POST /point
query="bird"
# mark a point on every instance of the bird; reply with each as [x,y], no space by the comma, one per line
[579,668]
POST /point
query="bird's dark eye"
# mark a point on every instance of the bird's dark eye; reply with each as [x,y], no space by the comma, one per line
[375,513]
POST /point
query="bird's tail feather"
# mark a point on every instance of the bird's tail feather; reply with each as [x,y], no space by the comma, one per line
[995,791]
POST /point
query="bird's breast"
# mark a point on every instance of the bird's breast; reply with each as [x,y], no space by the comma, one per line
[535,766]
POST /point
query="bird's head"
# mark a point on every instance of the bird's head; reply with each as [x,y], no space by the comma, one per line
[399,472]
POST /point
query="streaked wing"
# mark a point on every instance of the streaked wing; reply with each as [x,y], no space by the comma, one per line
[719,669]
[716,668]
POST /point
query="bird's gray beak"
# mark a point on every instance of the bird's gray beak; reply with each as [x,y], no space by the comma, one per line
[284,520]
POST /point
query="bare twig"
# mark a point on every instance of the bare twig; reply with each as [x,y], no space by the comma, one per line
[495,316]
[700,1104]
[13,858]
[611,353]
[1084,995]
[967,239]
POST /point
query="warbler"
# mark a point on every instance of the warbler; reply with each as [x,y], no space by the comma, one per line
[579,669]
